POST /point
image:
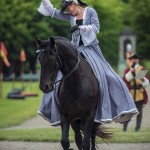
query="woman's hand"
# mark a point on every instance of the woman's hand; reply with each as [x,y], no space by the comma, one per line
[74,28]
[46,8]
[47,4]
[132,69]
[82,27]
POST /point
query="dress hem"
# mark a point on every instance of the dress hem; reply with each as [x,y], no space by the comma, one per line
[117,119]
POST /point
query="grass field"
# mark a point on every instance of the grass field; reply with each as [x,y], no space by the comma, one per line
[15,111]
[54,135]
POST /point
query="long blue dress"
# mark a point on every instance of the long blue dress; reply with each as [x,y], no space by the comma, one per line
[117,103]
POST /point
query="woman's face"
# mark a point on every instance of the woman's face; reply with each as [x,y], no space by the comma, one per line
[72,9]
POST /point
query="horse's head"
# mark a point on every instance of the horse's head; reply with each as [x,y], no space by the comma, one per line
[50,63]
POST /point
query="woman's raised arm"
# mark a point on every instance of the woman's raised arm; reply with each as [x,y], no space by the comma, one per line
[47,9]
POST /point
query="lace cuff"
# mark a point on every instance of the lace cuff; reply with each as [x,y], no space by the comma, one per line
[88,34]
[46,8]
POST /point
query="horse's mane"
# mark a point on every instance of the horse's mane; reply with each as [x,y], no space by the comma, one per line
[64,41]
[61,38]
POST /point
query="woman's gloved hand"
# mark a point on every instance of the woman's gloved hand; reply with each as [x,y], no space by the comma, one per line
[74,28]
[86,28]
[83,27]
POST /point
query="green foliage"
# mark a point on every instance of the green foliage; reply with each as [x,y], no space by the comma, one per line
[14,112]
[20,23]
[139,19]
[146,64]
[111,23]
[125,1]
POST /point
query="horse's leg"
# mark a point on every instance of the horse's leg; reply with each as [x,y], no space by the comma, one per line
[78,137]
[93,143]
[87,131]
[65,124]
[93,135]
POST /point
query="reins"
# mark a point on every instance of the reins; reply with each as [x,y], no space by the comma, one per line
[71,72]
[73,29]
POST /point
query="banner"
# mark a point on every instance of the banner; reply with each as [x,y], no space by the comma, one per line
[22,56]
[3,54]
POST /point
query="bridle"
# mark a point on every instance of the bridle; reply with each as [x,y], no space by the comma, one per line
[61,64]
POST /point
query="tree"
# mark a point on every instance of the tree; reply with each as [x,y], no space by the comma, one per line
[111,23]
[140,21]
[125,1]
[20,23]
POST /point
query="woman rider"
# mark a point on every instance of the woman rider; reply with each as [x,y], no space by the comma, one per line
[116,103]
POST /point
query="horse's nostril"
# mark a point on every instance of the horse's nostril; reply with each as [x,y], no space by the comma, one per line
[46,87]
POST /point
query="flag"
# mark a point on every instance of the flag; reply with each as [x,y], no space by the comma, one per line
[3,48]
[22,56]
[3,54]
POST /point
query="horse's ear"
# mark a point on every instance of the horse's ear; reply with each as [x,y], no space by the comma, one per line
[52,41]
[38,42]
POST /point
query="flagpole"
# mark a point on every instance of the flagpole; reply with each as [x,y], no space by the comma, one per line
[1,74]
[22,74]
[14,79]
[31,78]
[22,59]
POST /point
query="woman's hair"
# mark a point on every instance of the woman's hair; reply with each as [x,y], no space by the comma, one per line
[82,3]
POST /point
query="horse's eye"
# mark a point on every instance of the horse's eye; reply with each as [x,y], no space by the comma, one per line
[57,64]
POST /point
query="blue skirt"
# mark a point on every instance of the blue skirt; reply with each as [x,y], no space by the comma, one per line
[117,103]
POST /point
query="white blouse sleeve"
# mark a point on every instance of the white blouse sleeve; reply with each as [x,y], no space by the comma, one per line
[47,9]
[129,76]
[89,32]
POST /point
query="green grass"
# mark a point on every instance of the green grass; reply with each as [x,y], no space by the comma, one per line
[54,135]
[131,136]
[14,111]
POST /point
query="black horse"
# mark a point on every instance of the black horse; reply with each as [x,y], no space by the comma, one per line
[78,92]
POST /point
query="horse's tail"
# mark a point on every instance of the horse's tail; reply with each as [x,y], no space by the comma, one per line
[102,132]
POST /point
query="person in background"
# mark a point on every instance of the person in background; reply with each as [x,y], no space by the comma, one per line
[136,86]
[129,52]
